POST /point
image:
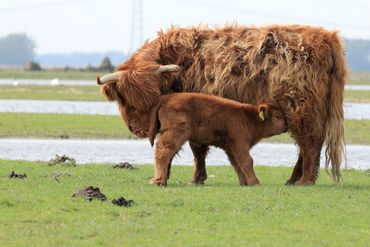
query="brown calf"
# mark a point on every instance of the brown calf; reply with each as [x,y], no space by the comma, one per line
[206,120]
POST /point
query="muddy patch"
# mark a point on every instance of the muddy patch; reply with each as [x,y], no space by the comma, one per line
[62,160]
[125,165]
[122,202]
[90,193]
[15,175]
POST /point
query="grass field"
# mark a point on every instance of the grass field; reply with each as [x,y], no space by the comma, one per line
[355,77]
[92,93]
[39,210]
[29,125]
[49,74]
[76,93]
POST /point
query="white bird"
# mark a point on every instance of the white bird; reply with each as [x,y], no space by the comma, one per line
[15,82]
[54,82]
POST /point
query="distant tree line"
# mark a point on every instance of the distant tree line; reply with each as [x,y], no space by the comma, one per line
[19,49]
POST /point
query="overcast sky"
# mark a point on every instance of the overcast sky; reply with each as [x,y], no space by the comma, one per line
[60,26]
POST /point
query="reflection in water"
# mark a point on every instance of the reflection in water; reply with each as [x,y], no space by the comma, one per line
[140,152]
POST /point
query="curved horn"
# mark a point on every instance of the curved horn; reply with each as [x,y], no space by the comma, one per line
[168,68]
[108,78]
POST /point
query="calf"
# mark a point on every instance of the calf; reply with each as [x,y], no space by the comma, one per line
[206,120]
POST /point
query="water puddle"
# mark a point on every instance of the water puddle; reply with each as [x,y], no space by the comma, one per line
[140,152]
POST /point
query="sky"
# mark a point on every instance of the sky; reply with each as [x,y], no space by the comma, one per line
[64,26]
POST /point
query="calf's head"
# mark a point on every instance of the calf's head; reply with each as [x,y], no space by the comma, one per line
[136,91]
[273,120]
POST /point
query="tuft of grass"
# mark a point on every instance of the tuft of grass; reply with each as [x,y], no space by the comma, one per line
[39,211]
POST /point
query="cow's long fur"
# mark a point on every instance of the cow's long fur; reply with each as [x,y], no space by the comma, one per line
[206,120]
[299,68]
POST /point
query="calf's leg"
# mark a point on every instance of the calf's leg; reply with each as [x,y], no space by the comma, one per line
[200,152]
[241,176]
[168,144]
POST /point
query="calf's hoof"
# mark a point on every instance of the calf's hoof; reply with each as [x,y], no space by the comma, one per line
[304,182]
[158,182]
[253,182]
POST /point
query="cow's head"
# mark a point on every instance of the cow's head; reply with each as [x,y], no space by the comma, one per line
[272,118]
[136,91]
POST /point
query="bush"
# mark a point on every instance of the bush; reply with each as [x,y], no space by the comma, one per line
[33,66]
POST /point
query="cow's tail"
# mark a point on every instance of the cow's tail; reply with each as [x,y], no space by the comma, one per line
[154,124]
[335,149]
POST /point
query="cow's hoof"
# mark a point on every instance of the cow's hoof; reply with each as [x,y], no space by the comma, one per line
[197,182]
[290,182]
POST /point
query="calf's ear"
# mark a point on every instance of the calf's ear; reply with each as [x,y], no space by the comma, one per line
[263,112]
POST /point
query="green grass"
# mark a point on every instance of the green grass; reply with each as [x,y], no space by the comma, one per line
[92,93]
[77,93]
[39,211]
[30,125]
[49,74]
[360,96]
[359,82]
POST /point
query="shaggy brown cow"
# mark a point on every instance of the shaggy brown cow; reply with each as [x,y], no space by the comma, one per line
[300,69]
[206,120]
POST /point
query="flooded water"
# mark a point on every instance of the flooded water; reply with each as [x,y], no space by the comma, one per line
[351,110]
[357,87]
[140,152]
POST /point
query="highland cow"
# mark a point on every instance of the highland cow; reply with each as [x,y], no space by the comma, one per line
[206,120]
[300,69]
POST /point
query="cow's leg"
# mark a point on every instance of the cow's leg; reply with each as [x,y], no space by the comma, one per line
[200,153]
[297,172]
[167,146]
[310,163]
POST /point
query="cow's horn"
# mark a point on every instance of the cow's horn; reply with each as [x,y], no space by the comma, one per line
[108,78]
[168,68]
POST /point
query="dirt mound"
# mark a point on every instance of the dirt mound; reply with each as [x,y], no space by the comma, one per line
[15,175]
[125,165]
[91,193]
[62,160]
[122,202]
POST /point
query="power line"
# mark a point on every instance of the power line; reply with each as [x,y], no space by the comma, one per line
[137,26]
[271,15]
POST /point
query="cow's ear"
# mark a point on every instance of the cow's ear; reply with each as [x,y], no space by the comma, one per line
[263,112]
